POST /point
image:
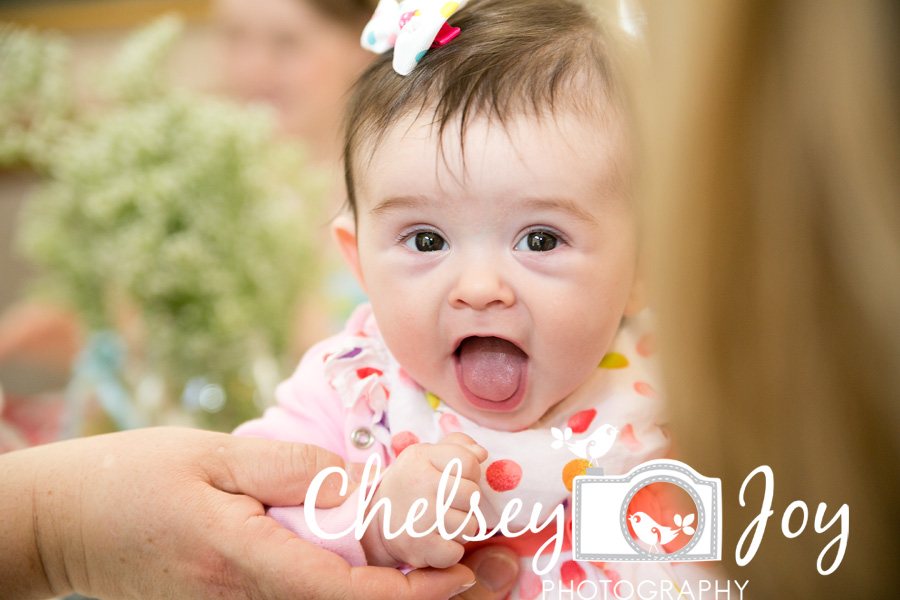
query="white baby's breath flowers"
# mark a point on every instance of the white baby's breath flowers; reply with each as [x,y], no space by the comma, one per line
[35,95]
[170,209]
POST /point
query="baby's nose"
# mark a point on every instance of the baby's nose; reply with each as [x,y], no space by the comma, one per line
[481,285]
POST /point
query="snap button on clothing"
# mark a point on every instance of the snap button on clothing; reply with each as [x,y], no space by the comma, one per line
[362,438]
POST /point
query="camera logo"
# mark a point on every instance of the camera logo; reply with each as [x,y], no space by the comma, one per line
[662,510]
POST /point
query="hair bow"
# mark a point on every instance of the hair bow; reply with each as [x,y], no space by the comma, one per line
[410,27]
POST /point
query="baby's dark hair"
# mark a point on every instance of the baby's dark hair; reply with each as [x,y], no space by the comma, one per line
[513,57]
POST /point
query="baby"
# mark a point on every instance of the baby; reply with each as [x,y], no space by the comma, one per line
[493,230]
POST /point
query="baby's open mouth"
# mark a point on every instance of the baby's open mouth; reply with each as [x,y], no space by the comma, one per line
[491,372]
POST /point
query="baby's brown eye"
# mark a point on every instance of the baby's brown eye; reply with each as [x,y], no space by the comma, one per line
[538,241]
[428,241]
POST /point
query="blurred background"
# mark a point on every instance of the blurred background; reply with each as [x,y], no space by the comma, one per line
[94,30]
[168,170]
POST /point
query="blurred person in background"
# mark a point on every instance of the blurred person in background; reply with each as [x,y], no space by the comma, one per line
[301,57]
[774,194]
[298,56]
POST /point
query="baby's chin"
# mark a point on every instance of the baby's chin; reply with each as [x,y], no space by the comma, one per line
[523,417]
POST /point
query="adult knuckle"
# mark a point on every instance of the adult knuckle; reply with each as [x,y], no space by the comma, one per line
[306,460]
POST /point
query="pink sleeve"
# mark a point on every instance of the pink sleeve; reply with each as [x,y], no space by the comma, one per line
[308,411]
[330,520]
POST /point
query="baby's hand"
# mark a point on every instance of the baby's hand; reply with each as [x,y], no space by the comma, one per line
[416,474]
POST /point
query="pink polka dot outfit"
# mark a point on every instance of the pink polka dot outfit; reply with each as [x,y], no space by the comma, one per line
[350,396]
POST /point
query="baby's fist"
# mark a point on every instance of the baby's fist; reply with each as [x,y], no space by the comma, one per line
[410,489]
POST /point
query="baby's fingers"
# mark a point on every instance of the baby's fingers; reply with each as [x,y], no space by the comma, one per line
[462,498]
[460,523]
[441,455]
[464,441]
[433,551]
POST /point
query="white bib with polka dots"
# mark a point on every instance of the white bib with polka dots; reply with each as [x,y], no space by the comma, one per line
[536,465]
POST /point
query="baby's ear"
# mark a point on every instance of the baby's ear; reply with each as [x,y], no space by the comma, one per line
[344,230]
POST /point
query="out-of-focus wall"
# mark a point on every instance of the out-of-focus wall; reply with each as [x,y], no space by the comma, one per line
[86,15]
[95,28]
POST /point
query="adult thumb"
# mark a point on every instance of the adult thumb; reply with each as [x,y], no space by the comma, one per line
[496,571]
[280,473]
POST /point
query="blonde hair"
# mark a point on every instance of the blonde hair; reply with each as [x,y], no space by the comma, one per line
[774,198]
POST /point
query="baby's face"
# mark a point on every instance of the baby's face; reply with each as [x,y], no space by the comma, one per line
[498,285]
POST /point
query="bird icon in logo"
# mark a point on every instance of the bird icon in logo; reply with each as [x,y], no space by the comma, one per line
[591,447]
[655,535]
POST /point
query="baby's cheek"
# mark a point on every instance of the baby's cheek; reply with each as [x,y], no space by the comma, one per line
[584,347]
[416,349]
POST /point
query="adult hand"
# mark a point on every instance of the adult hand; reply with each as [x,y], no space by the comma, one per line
[179,513]
[496,570]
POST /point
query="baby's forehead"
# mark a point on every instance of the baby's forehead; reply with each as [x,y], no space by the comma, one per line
[459,130]
[523,147]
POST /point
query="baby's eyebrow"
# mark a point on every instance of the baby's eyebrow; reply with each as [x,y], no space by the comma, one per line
[563,205]
[396,203]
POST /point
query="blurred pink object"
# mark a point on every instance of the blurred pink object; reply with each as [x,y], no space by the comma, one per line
[29,421]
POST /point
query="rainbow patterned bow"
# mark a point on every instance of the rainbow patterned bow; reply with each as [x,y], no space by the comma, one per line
[410,27]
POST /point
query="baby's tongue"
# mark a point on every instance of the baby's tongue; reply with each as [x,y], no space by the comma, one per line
[491,367]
